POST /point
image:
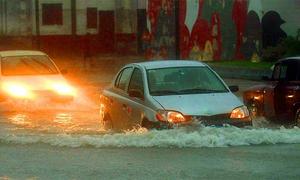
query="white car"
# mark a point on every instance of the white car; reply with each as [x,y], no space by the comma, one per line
[162,94]
[32,75]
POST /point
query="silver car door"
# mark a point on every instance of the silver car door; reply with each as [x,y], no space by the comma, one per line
[136,103]
[119,98]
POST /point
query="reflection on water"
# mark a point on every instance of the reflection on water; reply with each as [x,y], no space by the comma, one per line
[20,119]
[82,128]
[50,122]
[63,118]
[42,115]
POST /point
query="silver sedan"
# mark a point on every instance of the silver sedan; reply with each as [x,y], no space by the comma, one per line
[164,94]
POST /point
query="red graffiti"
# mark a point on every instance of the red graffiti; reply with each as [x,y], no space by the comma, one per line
[216,35]
[239,16]
[201,37]
[154,7]
[201,31]
[146,39]
[184,34]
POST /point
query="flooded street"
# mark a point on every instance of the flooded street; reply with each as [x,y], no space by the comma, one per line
[40,161]
[67,141]
[149,89]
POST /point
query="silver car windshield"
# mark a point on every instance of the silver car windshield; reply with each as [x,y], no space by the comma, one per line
[184,80]
[27,65]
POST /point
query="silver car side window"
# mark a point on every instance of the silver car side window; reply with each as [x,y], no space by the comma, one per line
[123,79]
[136,81]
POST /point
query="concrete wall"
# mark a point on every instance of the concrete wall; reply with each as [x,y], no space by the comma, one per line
[65,28]
[82,5]
[15,17]
[81,16]
[208,29]
[15,24]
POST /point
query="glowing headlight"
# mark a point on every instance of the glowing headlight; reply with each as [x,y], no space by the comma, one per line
[258,97]
[240,113]
[172,117]
[16,90]
[63,89]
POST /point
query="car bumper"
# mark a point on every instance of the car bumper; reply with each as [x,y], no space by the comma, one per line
[221,120]
[246,122]
[232,122]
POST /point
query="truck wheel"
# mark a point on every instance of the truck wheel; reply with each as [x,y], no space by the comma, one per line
[297,117]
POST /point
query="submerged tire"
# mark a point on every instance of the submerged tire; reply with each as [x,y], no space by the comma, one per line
[107,122]
[148,124]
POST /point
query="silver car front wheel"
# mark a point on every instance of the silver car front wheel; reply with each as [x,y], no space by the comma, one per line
[107,122]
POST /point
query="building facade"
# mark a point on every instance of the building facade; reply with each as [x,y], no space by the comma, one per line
[221,29]
[66,25]
[187,29]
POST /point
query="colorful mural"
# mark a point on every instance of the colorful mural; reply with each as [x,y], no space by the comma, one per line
[200,39]
[252,37]
[184,34]
[239,15]
[200,29]
[271,26]
[161,33]
[215,29]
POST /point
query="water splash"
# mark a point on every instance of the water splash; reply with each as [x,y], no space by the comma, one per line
[182,137]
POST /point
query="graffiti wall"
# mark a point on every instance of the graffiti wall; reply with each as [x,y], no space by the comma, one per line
[159,36]
[220,29]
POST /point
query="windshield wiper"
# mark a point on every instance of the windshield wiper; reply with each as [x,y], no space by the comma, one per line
[200,90]
[163,92]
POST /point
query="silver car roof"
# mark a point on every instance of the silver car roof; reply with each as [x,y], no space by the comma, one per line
[156,64]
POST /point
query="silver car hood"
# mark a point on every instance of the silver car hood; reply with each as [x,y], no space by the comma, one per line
[200,104]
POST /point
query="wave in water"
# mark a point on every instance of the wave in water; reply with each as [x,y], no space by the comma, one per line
[202,137]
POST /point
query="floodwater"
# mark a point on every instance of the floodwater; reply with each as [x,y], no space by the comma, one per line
[82,129]
[56,142]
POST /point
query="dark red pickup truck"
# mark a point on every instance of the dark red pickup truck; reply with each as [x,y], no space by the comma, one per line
[278,100]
